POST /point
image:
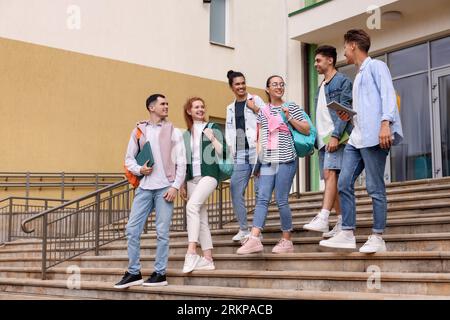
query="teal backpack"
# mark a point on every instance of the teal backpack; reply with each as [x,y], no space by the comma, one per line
[304,145]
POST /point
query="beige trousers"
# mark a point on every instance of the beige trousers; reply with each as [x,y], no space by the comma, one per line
[199,189]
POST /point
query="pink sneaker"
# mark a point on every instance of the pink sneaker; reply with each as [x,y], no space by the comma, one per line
[283,246]
[250,245]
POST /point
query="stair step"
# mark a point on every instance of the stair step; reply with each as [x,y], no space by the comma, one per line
[420,261]
[389,282]
[102,290]
[394,242]
[362,194]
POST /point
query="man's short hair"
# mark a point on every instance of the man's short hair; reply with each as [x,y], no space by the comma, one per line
[360,37]
[152,99]
[327,51]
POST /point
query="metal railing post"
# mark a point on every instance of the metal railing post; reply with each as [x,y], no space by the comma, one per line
[46,207]
[184,216]
[297,182]
[44,246]
[77,220]
[97,223]
[110,204]
[220,206]
[10,219]
[62,185]
[27,190]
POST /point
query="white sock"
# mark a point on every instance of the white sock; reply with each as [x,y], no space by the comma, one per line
[339,218]
[378,235]
[324,213]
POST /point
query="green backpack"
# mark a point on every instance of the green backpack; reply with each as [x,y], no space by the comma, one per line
[225,165]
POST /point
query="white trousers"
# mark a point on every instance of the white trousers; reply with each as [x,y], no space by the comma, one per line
[199,189]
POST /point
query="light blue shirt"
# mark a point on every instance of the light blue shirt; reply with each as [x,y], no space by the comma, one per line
[374,100]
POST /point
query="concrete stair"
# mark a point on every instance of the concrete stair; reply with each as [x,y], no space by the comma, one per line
[416,266]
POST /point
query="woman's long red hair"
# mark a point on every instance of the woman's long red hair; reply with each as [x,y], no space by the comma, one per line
[188,107]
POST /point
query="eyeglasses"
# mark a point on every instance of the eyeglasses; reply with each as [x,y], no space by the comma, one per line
[276,84]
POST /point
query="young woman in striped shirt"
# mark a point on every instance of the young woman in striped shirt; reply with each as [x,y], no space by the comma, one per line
[278,165]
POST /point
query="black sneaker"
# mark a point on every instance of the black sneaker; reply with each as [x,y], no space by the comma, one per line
[156,280]
[129,280]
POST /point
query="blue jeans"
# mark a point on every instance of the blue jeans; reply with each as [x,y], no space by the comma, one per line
[242,171]
[276,177]
[143,204]
[373,160]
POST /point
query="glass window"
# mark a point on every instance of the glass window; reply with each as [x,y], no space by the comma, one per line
[349,70]
[440,52]
[217,24]
[381,58]
[411,159]
[409,60]
[444,110]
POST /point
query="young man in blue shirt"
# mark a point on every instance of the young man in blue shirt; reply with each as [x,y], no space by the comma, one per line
[377,127]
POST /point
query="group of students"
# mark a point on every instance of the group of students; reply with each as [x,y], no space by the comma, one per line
[259,142]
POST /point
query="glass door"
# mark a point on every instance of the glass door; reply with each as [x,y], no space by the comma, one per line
[441,122]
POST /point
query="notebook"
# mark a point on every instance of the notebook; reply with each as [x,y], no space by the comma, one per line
[145,155]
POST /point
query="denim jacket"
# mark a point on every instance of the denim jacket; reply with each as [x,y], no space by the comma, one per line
[338,89]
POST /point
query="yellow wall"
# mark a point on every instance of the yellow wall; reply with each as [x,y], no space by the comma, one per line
[65,111]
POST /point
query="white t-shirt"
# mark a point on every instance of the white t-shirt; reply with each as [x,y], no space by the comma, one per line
[197,130]
[324,123]
[158,178]
[356,135]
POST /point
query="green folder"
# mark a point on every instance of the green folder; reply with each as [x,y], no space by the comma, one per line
[344,138]
[145,155]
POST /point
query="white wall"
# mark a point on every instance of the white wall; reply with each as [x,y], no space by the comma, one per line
[171,34]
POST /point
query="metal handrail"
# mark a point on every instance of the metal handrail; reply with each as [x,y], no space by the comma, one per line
[51,180]
[93,220]
[14,209]
[89,195]
[32,198]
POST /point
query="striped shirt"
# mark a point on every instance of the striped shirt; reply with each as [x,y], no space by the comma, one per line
[285,151]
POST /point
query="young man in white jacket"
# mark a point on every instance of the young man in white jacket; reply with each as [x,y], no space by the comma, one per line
[240,134]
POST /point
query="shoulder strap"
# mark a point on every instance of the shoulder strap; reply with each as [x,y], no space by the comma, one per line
[138,137]
[283,116]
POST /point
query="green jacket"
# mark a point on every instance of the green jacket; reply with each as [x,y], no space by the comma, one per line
[208,168]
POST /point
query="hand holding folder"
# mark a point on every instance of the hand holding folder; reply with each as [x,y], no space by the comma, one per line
[344,138]
[145,155]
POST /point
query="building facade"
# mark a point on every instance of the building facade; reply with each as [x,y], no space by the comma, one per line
[413,38]
[75,73]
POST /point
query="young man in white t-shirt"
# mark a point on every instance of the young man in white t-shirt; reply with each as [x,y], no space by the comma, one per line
[331,134]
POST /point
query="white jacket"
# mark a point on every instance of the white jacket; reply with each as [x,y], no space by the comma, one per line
[250,124]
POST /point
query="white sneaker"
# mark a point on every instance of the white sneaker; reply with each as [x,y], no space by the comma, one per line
[318,223]
[336,229]
[373,245]
[204,264]
[340,241]
[190,261]
[241,235]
